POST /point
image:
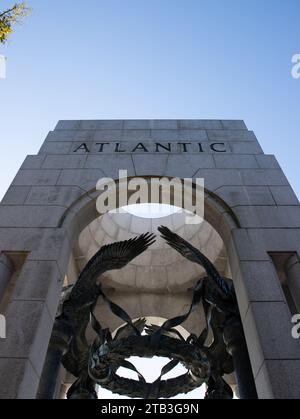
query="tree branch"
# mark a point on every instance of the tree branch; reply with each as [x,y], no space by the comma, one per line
[7,12]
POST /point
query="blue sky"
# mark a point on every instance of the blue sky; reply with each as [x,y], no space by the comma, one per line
[152,59]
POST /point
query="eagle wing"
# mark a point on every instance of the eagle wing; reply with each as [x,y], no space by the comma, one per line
[109,257]
[85,293]
[188,251]
[194,255]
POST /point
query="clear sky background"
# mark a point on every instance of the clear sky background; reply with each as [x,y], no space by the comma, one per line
[102,59]
[152,59]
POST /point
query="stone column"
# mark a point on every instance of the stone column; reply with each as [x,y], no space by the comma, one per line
[6,271]
[292,270]
[59,344]
[235,341]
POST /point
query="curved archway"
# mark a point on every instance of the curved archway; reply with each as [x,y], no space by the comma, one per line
[219,220]
[165,302]
[216,211]
[83,213]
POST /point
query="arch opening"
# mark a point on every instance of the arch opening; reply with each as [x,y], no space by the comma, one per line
[141,288]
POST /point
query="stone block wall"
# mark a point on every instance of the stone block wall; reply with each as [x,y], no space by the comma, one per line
[70,162]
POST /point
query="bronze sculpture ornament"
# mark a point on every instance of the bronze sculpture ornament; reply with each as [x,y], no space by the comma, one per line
[98,363]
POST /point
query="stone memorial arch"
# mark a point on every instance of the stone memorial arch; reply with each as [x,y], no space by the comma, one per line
[50,228]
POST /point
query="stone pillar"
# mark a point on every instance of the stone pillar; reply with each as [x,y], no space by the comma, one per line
[59,344]
[6,271]
[235,341]
[292,270]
